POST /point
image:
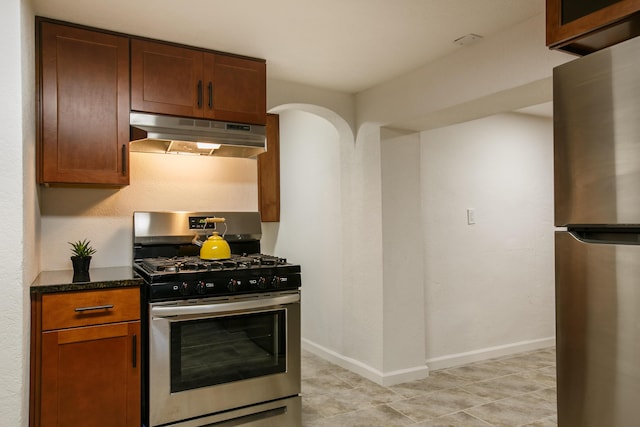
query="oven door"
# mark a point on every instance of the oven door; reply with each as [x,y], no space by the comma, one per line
[212,355]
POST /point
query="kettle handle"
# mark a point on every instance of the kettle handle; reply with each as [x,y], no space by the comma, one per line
[214,219]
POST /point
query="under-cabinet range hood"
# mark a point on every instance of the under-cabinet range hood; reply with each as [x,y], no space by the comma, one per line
[155,133]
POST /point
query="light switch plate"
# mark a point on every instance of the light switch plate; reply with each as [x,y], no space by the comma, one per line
[471,216]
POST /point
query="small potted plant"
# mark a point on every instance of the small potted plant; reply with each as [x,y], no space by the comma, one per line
[81,258]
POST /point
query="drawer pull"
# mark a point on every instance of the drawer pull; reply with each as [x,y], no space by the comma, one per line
[95,307]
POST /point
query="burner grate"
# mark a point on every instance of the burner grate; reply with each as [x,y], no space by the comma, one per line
[191,263]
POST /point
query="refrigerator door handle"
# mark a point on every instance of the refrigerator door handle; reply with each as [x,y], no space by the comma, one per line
[607,236]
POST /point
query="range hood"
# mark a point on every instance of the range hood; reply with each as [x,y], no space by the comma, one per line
[155,133]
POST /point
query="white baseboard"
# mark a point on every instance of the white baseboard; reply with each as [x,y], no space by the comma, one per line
[458,359]
[419,372]
[364,370]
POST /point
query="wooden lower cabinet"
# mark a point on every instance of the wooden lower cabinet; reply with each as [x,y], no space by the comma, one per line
[91,376]
[87,375]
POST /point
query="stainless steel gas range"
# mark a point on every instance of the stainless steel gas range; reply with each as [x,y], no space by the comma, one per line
[222,336]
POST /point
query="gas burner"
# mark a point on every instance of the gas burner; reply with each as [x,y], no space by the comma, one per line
[167,265]
[214,266]
[188,266]
[164,265]
[261,260]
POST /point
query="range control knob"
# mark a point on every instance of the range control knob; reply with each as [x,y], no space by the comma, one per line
[275,282]
[184,289]
[232,285]
[201,288]
[262,283]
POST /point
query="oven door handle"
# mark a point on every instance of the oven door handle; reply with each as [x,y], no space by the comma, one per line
[225,307]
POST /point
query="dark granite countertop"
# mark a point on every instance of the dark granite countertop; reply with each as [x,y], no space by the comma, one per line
[99,278]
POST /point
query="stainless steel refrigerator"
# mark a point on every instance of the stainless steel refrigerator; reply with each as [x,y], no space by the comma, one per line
[597,200]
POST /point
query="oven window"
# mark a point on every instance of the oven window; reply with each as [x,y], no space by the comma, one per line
[219,350]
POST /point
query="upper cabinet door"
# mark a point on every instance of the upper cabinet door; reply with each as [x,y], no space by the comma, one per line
[166,79]
[180,81]
[235,89]
[585,26]
[84,106]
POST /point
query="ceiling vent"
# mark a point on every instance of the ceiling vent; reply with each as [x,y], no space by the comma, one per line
[468,39]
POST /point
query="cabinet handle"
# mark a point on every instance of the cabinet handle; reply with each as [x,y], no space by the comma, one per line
[210,95]
[135,350]
[95,307]
[199,93]
[124,159]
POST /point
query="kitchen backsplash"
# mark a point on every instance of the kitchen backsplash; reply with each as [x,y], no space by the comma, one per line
[158,183]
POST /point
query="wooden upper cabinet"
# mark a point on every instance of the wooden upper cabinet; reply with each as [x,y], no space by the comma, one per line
[174,80]
[239,89]
[585,26]
[269,173]
[166,79]
[84,106]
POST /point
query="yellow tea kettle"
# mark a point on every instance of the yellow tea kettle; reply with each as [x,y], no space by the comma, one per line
[215,247]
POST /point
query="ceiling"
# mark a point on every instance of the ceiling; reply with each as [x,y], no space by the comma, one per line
[342,45]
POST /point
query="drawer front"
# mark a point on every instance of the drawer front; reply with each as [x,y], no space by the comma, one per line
[71,309]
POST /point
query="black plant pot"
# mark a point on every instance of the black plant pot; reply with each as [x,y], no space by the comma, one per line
[81,268]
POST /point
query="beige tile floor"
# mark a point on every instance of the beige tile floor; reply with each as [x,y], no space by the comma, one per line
[517,390]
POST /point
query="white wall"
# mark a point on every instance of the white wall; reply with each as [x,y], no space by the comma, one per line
[328,185]
[310,226]
[363,282]
[158,182]
[31,209]
[17,139]
[508,70]
[489,287]
[417,284]
[402,245]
